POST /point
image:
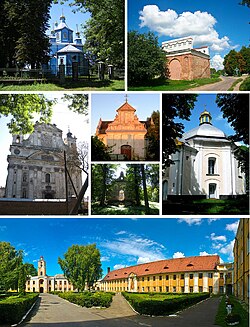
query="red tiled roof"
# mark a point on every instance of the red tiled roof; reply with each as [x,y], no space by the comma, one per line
[178,265]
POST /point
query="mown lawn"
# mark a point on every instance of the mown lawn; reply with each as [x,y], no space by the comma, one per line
[69,85]
[96,209]
[245,85]
[208,206]
[170,85]
[237,309]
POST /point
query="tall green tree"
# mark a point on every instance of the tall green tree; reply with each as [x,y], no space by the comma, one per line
[78,103]
[173,106]
[245,3]
[233,61]
[235,108]
[10,263]
[245,53]
[99,151]
[22,108]
[153,137]
[23,35]
[146,59]
[82,265]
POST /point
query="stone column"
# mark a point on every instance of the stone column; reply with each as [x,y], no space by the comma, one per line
[216,283]
[101,70]
[196,286]
[205,282]
[186,287]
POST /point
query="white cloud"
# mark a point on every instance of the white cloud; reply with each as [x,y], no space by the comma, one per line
[210,220]
[118,266]
[103,259]
[142,249]
[217,62]
[3,228]
[178,255]
[233,227]
[199,25]
[220,238]
[228,249]
[190,221]
[121,232]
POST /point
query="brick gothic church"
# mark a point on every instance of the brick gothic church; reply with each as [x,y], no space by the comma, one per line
[186,62]
[36,165]
[126,134]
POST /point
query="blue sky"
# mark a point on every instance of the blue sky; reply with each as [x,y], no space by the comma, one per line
[222,25]
[105,105]
[207,101]
[122,242]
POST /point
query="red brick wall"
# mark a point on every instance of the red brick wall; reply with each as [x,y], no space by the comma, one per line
[188,67]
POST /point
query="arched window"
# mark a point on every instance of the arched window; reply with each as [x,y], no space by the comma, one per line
[211,165]
[24,177]
[47,178]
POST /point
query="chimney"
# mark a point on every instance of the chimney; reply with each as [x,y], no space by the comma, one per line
[108,270]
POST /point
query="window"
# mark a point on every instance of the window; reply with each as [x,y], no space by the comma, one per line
[154,289]
[142,279]
[160,277]
[153,278]
[174,277]
[221,289]
[211,166]
[160,289]
[182,289]
[174,289]
[47,178]
[200,275]
[210,275]
[142,289]
[191,276]
[33,282]
[182,276]
[24,177]
[148,279]
[210,289]
[200,289]
[191,289]
[221,275]
[41,273]
[167,277]
[167,289]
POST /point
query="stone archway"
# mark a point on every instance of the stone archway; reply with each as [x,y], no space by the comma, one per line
[175,69]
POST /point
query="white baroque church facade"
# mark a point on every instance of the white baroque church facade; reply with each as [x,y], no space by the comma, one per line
[45,284]
[36,166]
[204,164]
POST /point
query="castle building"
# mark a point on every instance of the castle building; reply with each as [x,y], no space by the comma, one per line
[180,275]
[241,261]
[44,283]
[64,50]
[36,166]
[125,135]
[186,62]
[204,164]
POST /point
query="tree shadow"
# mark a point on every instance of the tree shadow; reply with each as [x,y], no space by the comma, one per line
[87,83]
[96,209]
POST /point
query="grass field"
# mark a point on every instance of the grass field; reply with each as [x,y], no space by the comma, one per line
[69,85]
[208,206]
[96,209]
[237,309]
[170,85]
[245,86]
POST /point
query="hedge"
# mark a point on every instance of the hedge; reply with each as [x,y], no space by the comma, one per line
[156,307]
[88,299]
[13,308]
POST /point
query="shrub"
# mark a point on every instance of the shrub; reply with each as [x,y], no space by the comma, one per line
[232,317]
[88,299]
[162,304]
[13,308]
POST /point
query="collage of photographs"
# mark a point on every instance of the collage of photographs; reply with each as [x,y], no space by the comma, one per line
[124,185]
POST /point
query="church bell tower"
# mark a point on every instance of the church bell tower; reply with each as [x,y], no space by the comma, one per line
[41,267]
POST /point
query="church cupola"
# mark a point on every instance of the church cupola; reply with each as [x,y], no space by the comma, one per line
[205,118]
[62,18]
[78,39]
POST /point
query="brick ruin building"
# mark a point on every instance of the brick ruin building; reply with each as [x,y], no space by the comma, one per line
[186,62]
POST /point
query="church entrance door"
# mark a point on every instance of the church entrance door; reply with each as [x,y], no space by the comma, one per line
[41,289]
[127,151]
[212,191]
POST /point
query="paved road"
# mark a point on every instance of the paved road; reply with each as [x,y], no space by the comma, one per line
[223,85]
[53,311]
